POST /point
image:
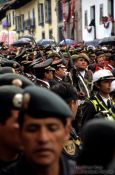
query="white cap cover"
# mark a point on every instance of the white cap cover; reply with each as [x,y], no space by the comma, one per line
[102,75]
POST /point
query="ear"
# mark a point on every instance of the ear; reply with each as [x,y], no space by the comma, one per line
[68,128]
[21,142]
[97,85]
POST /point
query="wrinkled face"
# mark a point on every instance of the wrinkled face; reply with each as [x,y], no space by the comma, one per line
[42,139]
[104,86]
[81,64]
[9,131]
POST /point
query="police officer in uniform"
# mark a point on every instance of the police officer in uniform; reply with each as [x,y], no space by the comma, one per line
[44,73]
[100,102]
[45,122]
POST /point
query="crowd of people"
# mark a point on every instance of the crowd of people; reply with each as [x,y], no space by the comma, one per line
[57,110]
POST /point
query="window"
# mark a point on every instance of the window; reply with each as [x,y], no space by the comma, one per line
[13,15]
[92,12]
[43,35]
[33,17]
[101,12]
[18,23]
[86,19]
[50,33]
[22,22]
[48,11]
[60,12]
[9,19]
[40,14]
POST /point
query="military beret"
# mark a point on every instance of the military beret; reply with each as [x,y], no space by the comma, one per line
[4,70]
[65,55]
[74,57]
[40,102]
[15,79]
[10,63]
[53,54]
[83,55]
[10,98]
[44,65]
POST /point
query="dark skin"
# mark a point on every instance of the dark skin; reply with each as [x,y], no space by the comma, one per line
[9,148]
[42,142]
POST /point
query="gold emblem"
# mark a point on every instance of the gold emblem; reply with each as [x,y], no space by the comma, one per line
[17,100]
[69,147]
[26,99]
[17,82]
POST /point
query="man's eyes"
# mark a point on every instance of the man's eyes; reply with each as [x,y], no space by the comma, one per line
[51,128]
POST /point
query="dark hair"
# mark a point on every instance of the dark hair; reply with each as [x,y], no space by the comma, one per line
[4,116]
[66,91]
[40,73]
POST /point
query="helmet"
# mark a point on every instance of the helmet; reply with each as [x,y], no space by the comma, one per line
[103,74]
[112,86]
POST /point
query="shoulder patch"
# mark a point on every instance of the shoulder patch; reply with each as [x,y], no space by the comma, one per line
[69,147]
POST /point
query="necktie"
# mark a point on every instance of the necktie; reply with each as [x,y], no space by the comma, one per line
[108,103]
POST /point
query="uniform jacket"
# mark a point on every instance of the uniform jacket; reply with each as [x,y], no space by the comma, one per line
[22,168]
[89,110]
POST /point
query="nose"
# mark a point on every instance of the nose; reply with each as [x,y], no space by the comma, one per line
[43,135]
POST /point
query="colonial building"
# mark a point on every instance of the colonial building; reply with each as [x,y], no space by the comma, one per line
[69,19]
[43,18]
[35,17]
[98,19]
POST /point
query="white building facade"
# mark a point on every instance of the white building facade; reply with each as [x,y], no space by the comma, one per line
[98,19]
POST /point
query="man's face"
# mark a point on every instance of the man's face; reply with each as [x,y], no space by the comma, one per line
[101,61]
[9,132]
[81,64]
[42,139]
[49,75]
[112,62]
[61,72]
[104,86]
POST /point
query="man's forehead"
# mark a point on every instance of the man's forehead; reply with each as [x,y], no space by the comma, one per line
[47,120]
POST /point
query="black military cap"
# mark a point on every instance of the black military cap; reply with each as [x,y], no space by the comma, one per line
[36,61]
[15,79]
[44,65]
[21,56]
[58,63]
[98,143]
[10,98]
[40,102]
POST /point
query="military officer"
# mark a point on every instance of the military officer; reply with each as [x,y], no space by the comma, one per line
[45,122]
[100,101]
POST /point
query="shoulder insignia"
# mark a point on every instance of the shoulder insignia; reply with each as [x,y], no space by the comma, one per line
[69,147]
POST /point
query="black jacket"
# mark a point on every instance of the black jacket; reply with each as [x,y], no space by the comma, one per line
[22,168]
[89,111]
